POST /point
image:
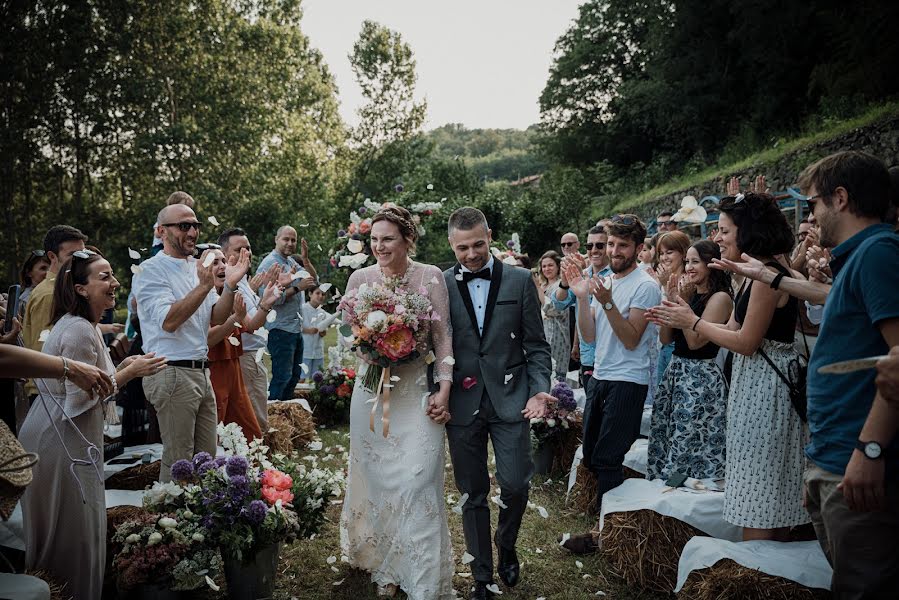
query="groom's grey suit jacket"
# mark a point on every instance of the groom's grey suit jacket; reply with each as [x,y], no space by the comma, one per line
[512,347]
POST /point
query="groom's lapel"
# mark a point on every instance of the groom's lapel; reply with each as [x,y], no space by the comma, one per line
[495,281]
[466,300]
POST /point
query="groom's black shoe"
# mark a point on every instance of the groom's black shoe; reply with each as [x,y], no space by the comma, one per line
[480,591]
[507,566]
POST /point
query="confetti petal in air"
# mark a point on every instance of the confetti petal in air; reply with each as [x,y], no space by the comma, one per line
[214,221]
[233,340]
[499,502]
[259,354]
[304,367]
[459,277]
[449,360]
[430,186]
[135,269]
[271,316]
[212,584]
[467,558]
[354,246]
[43,335]
[134,254]
[513,335]
[210,258]
[508,378]
[430,357]
[324,287]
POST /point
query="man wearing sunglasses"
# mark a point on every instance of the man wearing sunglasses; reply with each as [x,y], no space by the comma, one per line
[176,304]
[570,244]
[665,222]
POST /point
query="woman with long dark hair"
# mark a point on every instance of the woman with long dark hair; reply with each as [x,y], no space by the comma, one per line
[688,417]
[64,508]
[765,433]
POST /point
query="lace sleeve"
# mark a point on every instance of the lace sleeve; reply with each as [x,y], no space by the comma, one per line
[356,279]
[441,329]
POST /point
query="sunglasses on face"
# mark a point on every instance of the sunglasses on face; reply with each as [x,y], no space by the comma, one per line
[566,244]
[664,223]
[812,200]
[184,225]
[624,219]
[597,245]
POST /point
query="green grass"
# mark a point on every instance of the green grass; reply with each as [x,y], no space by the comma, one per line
[767,156]
[305,574]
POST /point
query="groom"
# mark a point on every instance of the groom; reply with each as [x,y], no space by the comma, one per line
[500,381]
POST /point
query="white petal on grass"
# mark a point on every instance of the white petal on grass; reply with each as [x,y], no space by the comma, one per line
[586,576]
[565,538]
[335,569]
[319,246]
[271,316]
[449,360]
[331,560]
[337,582]
[135,269]
[538,550]
[467,558]
[499,502]
[513,335]
[259,354]
[600,593]
[543,512]
[210,258]
[43,335]
[462,500]
[324,287]
[233,340]
[578,564]
[134,254]
[211,584]
[214,221]
[495,589]
[315,445]
[463,575]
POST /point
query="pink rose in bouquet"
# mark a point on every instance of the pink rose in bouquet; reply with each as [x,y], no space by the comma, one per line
[396,343]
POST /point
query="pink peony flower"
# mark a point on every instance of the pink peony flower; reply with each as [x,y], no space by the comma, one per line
[396,343]
[276,479]
[272,495]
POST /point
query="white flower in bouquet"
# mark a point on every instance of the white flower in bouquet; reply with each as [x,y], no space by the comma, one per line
[133,538]
[162,493]
[154,538]
[198,537]
[551,422]
[536,420]
[375,319]
[167,523]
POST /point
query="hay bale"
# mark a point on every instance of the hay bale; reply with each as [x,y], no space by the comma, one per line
[300,419]
[643,548]
[279,434]
[728,579]
[582,497]
[568,445]
[138,477]
[57,586]
[116,515]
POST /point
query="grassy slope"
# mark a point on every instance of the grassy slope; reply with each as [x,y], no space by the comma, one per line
[765,156]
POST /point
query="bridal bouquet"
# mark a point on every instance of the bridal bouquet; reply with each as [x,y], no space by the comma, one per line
[384,322]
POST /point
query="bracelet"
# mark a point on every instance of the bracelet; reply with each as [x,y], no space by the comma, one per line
[695,324]
[563,286]
[230,289]
[775,283]
[65,368]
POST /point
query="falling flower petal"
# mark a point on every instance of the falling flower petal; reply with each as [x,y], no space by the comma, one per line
[214,221]
[135,269]
[462,500]
[394,378]
[513,335]
[508,378]
[134,254]
[43,335]
[259,354]
[449,360]
[271,316]
[354,246]
[565,538]
[337,582]
[332,560]
[600,593]
[304,224]
[315,445]
[475,412]
[469,382]
[324,287]
[538,550]
[211,584]
[210,258]
[579,564]
[233,340]
[430,186]
[495,589]
[542,512]
[304,367]
[335,569]
[430,357]
[467,558]
[371,400]
[499,502]
[459,277]
[238,325]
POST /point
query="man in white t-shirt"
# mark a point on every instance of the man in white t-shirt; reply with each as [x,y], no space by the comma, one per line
[176,303]
[613,316]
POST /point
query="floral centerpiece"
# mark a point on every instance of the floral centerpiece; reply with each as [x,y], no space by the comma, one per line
[353,246]
[167,550]
[552,432]
[331,394]
[510,252]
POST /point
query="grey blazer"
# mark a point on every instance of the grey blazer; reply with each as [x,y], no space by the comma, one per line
[512,347]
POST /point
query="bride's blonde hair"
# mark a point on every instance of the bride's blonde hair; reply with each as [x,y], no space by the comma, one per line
[402,218]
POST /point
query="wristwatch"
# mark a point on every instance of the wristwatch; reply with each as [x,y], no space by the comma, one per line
[607,306]
[871,450]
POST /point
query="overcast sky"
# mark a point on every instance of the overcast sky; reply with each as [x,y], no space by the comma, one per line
[480,63]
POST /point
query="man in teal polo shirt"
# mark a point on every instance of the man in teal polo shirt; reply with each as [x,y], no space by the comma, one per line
[852,485]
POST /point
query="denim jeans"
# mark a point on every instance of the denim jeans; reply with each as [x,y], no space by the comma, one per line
[286,349]
[313,364]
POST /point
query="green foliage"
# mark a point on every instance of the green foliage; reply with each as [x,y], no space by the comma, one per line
[505,154]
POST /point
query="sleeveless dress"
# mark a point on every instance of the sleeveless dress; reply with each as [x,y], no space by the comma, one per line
[556,331]
[689,413]
[765,436]
[394,513]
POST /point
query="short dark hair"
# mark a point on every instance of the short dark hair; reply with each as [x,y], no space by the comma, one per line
[665,213]
[627,226]
[60,234]
[225,237]
[597,229]
[32,260]
[466,218]
[864,176]
[66,300]
[762,229]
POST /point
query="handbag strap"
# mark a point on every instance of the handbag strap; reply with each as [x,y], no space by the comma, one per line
[776,370]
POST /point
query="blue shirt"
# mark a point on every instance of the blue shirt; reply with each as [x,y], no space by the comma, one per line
[865,292]
[588,350]
[288,311]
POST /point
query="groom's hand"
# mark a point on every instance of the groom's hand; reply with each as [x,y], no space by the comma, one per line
[438,408]
[536,406]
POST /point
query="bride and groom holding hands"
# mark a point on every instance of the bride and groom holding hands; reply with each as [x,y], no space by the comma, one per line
[489,376]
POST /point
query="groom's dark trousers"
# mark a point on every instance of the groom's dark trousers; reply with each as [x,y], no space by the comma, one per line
[514,469]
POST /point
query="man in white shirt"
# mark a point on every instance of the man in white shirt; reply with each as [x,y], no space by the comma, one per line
[176,303]
[616,322]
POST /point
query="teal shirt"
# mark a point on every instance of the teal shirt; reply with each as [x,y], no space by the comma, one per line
[865,292]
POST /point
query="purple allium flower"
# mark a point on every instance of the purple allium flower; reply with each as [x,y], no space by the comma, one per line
[399,188]
[362,210]
[341,233]
[239,488]
[255,512]
[510,244]
[182,470]
[219,461]
[205,467]
[317,377]
[565,396]
[200,458]
[328,390]
[356,236]
[236,465]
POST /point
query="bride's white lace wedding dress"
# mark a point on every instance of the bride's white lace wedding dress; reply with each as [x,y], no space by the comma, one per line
[394,515]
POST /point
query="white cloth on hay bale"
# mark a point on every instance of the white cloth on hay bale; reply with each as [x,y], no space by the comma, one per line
[136,454]
[23,587]
[702,510]
[636,457]
[802,562]
[646,421]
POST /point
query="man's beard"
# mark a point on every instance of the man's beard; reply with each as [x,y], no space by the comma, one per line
[628,263]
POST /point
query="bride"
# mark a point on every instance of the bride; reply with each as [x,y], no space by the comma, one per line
[394,519]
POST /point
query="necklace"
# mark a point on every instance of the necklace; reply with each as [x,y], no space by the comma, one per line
[398,280]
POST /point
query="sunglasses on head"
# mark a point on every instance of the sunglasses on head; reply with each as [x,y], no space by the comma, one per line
[597,245]
[204,247]
[624,219]
[184,225]
[83,253]
[38,253]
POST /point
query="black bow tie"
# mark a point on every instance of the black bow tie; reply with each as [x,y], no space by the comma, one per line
[482,274]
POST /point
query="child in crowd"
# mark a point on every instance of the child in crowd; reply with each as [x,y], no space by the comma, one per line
[315,325]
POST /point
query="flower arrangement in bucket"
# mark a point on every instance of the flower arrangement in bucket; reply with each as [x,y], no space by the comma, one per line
[167,550]
[353,246]
[331,394]
[387,324]
[551,429]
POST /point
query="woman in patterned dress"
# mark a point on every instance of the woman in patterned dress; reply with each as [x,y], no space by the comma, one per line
[765,434]
[688,417]
[555,322]
[64,508]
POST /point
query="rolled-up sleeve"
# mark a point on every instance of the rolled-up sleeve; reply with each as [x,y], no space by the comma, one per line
[154,294]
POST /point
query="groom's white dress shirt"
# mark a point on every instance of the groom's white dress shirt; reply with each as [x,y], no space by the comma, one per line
[478,289]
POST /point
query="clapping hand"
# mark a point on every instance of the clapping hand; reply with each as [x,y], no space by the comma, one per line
[818,262]
[750,268]
[536,406]
[600,291]
[576,281]
[12,336]
[236,268]
[733,186]
[759,186]
[206,274]
[272,292]
[240,309]
[685,287]
[285,278]
[675,313]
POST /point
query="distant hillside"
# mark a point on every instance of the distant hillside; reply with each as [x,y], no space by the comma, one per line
[494,154]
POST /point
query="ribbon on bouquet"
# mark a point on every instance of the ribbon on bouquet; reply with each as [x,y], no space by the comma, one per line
[382,395]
